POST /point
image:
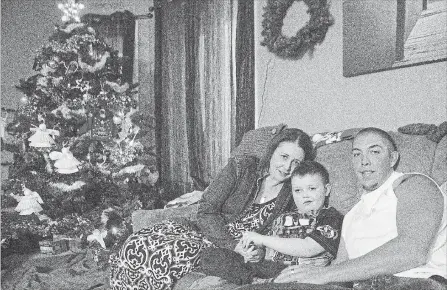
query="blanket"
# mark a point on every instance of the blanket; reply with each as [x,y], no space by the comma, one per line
[66,271]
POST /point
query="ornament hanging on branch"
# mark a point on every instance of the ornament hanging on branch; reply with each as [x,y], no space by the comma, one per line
[42,137]
[65,163]
[29,203]
[100,126]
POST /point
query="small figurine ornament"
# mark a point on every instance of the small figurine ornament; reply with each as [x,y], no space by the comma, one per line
[28,203]
[65,163]
[42,136]
[98,235]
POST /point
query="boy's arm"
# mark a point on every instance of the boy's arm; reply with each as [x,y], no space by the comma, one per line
[306,247]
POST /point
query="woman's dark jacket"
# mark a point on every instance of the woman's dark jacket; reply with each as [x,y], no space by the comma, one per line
[230,194]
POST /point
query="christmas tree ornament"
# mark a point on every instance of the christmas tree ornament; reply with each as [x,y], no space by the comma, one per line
[65,163]
[24,100]
[152,177]
[71,68]
[117,120]
[63,110]
[29,203]
[97,66]
[42,136]
[126,125]
[98,236]
[102,126]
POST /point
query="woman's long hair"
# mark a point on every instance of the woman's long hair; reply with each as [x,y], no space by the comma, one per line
[288,135]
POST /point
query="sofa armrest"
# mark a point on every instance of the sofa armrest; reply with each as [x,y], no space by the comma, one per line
[146,218]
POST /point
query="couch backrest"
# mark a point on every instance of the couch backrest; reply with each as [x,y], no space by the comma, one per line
[418,154]
[255,142]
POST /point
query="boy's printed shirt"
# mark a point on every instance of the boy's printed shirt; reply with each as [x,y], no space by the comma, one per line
[324,228]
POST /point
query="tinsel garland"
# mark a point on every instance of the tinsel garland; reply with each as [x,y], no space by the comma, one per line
[67,187]
[306,38]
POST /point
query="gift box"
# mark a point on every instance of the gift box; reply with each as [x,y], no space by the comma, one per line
[60,246]
[46,246]
[74,245]
[55,246]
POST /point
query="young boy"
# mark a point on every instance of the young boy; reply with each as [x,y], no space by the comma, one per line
[307,236]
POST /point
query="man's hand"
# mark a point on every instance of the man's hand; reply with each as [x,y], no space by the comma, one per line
[301,274]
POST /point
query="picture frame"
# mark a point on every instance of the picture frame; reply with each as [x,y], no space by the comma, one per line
[391,34]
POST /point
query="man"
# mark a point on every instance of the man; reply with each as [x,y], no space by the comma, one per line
[394,237]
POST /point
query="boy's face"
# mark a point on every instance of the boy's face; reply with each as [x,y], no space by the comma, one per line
[309,192]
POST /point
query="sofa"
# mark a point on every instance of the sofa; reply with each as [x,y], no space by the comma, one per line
[417,154]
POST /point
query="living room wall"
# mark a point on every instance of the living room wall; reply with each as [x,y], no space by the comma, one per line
[312,93]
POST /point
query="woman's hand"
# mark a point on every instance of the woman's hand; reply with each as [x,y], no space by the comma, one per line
[251,253]
[249,238]
[301,274]
[255,254]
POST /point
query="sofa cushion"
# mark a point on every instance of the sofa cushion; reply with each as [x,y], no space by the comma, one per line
[416,153]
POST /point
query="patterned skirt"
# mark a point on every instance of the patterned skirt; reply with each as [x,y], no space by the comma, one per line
[156,257]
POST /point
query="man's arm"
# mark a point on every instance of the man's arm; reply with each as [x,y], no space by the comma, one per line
[419,212]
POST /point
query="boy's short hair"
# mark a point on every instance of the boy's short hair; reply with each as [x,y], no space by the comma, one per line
[311,167]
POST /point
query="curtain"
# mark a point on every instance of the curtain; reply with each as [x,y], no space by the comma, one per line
[197,88]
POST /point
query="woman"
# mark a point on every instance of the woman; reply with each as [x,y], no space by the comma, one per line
[247,195]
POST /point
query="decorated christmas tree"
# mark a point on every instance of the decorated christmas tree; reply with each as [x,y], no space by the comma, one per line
[80,166]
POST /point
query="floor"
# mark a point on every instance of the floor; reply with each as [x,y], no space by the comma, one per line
[66,271]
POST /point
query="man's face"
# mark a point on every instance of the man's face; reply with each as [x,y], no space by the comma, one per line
[373,160]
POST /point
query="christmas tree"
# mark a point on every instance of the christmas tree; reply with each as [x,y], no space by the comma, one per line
[80,166]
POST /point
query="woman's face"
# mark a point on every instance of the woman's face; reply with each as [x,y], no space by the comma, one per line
[284,160]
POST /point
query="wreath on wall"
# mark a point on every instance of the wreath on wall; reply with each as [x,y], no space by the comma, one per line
[306,38]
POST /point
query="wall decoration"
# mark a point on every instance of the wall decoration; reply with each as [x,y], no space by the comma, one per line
[385,35]
[306,38]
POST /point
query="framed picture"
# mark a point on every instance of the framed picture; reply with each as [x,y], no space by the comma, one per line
[390,34]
